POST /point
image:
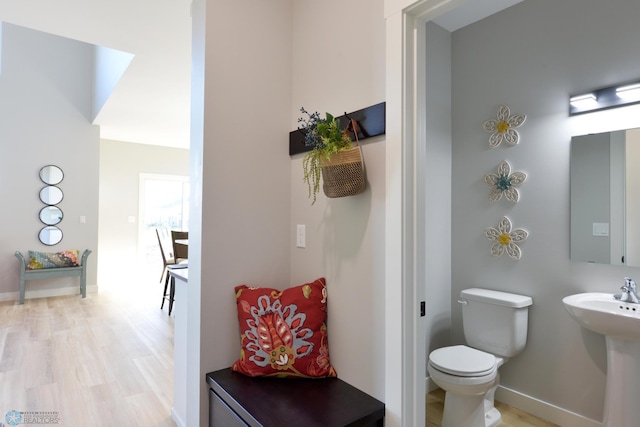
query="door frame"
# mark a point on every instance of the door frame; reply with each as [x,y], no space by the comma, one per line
[405,373]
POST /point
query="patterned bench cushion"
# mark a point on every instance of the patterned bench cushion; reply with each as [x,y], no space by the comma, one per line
[39,260]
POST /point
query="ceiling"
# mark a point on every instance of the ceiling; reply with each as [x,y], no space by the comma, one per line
[151,103]
[472,11]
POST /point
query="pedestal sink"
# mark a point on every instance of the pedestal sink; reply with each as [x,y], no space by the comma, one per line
[619,322]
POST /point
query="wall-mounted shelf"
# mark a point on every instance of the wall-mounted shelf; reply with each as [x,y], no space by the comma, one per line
[371,122]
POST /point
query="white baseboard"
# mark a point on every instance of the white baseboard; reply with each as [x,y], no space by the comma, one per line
[176,419]
[544,410]
[536,407]
[43,293]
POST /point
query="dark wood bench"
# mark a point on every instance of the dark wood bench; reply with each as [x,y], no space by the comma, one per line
[50,273]
[236,400]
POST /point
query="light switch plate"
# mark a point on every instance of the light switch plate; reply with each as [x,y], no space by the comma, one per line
[601,229]
[300,236]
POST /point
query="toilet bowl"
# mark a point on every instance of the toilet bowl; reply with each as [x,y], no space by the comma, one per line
[469,377]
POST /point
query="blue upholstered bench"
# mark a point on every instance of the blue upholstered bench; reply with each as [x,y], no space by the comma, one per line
[50,273]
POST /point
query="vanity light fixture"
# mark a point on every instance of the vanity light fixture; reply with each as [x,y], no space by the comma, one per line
[601,99]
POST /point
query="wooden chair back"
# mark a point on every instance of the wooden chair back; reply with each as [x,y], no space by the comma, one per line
[166,246]
[180,251]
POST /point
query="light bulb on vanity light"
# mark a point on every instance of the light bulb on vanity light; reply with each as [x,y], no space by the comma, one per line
[584,101]
[629,92]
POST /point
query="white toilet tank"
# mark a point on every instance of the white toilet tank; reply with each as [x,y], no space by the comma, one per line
[495,322]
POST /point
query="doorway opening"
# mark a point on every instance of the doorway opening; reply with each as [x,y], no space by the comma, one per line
[164,203]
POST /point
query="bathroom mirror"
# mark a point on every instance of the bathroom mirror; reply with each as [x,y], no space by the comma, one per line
[51,195]
[51,215]
[605,198]
[50,235]
[51,175]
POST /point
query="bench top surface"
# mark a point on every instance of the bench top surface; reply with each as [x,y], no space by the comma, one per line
[282,401]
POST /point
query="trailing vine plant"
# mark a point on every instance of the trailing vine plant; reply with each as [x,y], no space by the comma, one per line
[325,137]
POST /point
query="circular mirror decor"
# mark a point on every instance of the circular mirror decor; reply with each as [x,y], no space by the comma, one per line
[51,215]
[50,235]
[51,195]
[51,175]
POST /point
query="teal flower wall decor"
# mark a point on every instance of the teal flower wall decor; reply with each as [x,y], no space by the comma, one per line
[504,183]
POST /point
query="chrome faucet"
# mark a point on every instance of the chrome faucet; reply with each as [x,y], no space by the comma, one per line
[629,291]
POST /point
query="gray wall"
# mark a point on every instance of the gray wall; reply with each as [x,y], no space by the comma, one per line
[45,104]
[531,57]
[437,187]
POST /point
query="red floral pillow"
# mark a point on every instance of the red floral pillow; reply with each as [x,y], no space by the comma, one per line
[284,333]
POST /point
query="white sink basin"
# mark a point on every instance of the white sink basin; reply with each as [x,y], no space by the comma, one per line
[604,314]
[620,323]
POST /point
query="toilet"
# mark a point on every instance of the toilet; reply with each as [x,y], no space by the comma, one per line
[495,329]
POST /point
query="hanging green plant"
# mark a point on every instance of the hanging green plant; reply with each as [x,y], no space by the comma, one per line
[326,138]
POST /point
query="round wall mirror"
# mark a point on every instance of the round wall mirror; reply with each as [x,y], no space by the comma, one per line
[51,175]
[51,215]
[51,195]
[50,235]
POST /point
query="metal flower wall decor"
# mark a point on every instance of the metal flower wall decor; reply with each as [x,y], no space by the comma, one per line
[504,129]
[505,239]
[504,183]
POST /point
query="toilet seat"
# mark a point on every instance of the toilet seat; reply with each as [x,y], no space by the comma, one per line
[463,361]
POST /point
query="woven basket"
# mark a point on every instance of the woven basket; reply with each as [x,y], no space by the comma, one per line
[343,174]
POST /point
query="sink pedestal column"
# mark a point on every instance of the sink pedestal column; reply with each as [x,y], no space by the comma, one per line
[623,383]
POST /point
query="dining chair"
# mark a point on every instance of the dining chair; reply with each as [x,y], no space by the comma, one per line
[166,250]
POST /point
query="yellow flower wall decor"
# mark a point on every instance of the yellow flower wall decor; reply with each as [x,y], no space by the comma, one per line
[505,239]
[504,128]
[504,183]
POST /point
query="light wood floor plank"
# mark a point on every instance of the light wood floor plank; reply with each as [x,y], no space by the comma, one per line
[106,360]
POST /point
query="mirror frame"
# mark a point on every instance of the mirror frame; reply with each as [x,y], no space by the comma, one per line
[47,198]
[51,175]
[47,237]
[603,197]
[47,215]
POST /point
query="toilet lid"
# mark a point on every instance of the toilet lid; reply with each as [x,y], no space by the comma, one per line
[462,361]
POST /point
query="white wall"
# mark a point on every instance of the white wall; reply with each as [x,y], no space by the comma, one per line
[45,105]
[110,65]
[121,164]
[531,57]
[240,174]
[252,191]
[339,66]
